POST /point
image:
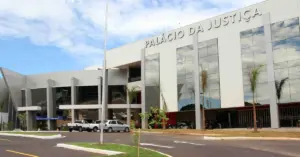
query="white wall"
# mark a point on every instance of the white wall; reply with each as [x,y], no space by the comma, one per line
[84,77]
[231,84]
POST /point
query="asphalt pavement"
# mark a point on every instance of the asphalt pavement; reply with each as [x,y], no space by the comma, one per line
[174,145]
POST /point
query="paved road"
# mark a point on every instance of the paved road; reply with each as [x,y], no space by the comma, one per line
[175,145]
[28,147]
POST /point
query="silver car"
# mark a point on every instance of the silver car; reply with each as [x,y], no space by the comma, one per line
[114,126]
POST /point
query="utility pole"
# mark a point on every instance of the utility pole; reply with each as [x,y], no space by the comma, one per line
[104,85]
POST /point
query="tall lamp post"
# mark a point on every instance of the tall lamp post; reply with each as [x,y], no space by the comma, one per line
[104,85]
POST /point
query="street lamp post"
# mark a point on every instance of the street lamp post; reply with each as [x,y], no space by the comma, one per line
[104,85]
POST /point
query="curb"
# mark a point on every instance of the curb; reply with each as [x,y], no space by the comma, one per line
[194,134]
[91,150]
[34,136]
[250,138]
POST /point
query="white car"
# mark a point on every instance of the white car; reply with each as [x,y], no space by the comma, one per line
[114,126]
[83,125]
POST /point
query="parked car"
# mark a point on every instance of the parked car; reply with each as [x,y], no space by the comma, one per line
[115,126]
[80,125]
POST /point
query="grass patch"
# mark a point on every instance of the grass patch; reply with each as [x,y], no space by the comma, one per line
[130,151]
[32,133]
[229,133]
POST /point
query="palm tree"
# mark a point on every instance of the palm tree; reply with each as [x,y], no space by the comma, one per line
[132,94]
[253,78]
[279,86]
[203,87]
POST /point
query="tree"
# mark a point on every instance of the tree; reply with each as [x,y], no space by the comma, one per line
[203,87]
[158,116]
[22,118]
[132,95]
[279,86]
[253,78]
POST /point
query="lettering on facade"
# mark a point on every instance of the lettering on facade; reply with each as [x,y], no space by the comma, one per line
[216,23]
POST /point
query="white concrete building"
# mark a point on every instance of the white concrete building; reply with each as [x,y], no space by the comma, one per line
[169,68]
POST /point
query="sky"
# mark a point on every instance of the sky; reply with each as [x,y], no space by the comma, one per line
[40,36]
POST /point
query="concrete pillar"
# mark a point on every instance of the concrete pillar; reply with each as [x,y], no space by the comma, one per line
[28,101]
[143,88]
[50,83]
[197,83]
[73,97]
[128,112]
[99,97]
[270,69]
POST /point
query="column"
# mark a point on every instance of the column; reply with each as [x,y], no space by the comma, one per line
[49,103]
[28,100]
[99,97]
[73,97]
[197,83]
[270,68]
[143,88]
[128,112]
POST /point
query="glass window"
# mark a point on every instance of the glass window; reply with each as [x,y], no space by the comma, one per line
[212,50]
[262,93]
[293,63]
[291,22]
[185,77]
[292,31]
[246,42]
[113,122]
[295,90]
[247,60]
[258,36]
[281,73]
[247,94]
[210,63]
[294,72]
[202,51]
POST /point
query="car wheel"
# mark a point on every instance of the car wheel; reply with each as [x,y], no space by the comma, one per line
[80,129]
[70,129]
[126,130]
[95,129]
[110,130]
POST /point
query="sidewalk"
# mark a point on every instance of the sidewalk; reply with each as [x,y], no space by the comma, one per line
[267,132]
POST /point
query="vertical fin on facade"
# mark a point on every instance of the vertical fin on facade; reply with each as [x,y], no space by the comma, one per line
[14,82]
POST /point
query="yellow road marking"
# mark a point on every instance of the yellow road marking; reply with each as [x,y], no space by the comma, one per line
[20,153]
[2,139]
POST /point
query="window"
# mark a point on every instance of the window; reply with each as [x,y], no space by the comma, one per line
[152,81]
[119,122]
[185,77]
[113,122]
[286,57]
[253,55]
[210,63]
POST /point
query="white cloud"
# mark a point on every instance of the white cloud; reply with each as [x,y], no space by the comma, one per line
[78,27]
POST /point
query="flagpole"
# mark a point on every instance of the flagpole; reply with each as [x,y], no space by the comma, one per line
[104,81]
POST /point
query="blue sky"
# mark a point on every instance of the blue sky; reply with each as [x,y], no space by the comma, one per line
[39,36]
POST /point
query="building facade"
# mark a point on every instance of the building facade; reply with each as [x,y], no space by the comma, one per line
[170,69]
